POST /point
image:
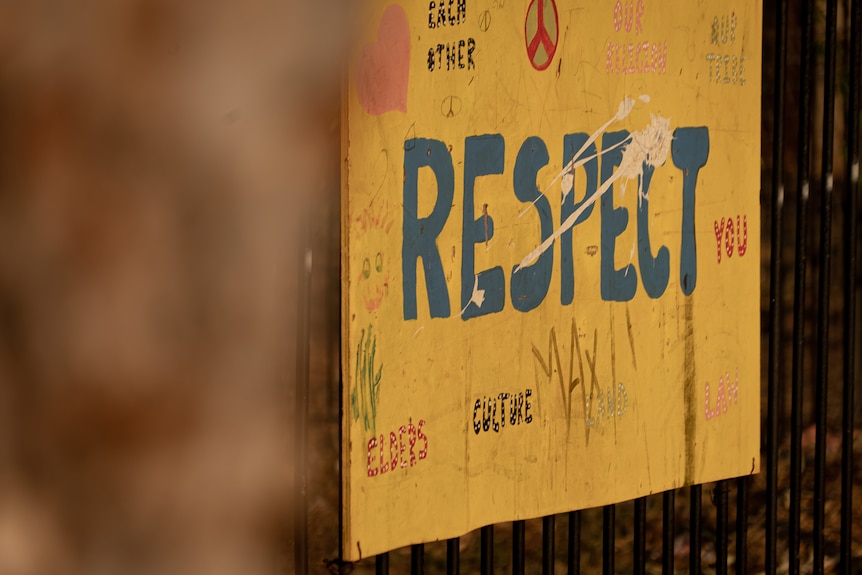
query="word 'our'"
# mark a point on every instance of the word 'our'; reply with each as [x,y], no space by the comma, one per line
[724,29]
[383,457]
[629,15]
[528,285]
[514,407]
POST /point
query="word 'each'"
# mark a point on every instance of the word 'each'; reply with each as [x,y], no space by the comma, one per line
[386,456]
[446,13]
[734,237]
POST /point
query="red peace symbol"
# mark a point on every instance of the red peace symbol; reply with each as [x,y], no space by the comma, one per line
[542,36]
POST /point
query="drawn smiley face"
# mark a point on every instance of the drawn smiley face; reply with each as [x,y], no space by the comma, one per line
[374,281]
[372,278]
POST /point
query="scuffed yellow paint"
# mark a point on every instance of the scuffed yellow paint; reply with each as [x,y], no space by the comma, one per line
[612,399]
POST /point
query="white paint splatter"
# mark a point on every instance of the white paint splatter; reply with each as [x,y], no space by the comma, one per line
[568,184]
[568,179]
[478,296]
[567,173]
[649,146]
[625,108]
[415,333]
[631,256]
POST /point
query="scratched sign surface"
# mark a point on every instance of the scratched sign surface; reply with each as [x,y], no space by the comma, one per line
[550,258]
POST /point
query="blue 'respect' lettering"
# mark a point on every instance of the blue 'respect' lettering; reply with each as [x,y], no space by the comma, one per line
[616,285]
[655,271]
[689,150]
[483,155]
[572,143]
[420,234]
[530,284]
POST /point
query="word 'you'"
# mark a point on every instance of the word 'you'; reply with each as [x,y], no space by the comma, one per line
[733,236]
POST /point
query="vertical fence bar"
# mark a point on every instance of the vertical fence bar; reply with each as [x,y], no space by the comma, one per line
[301,407]
[851,221]
[381,564]
[341,466]
[742,525]
[694,534]
[640,537]
[487,552]
[799,285]
[548,534]
[518,548]
[776,207]
[608,539]
[824,283]
[453,557]
[668,534]
[417,559]
[574,551]
[720,500]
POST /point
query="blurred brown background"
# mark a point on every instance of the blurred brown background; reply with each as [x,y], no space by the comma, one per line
[155,160]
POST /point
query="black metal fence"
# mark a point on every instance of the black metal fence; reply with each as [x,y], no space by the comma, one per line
[783,521]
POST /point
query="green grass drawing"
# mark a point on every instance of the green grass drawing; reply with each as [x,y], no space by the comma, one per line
[366,390]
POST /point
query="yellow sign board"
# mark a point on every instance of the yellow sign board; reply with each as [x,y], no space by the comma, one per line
[550,258]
